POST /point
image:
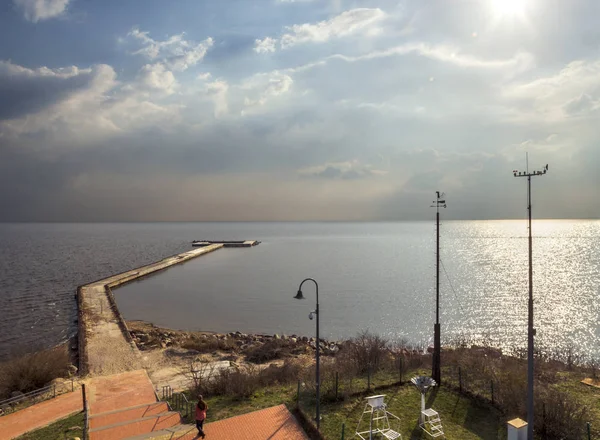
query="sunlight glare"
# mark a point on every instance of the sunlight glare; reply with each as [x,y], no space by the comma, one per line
[509,8]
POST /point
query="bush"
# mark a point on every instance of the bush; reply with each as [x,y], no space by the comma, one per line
[33,371]
[365,351]
[240,383]
[270,350]
[209,344]
[289,372]
[559,416]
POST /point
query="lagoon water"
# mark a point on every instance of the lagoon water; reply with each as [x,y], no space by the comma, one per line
[376,276]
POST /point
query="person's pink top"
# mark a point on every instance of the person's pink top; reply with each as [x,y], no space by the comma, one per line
[200,413]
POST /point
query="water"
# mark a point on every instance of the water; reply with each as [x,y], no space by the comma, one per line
[376,276]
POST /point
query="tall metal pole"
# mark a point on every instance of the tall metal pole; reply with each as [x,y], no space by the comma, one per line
[436,372]
[530,328]
[318,376]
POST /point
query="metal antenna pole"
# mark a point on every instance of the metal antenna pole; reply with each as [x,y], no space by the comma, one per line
[530,328]
[436,372]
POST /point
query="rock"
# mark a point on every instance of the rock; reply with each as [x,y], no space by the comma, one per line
[163,345]
[293,340]
[276,336]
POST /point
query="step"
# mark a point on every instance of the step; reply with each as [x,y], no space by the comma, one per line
[125,414]
[135,427]
[177,432]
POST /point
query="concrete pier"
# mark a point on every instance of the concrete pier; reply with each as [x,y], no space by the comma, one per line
[105,345]
[225,243]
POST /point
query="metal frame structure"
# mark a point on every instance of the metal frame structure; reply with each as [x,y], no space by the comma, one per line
[378,413]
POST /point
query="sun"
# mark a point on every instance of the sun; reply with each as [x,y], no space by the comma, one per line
[509,8]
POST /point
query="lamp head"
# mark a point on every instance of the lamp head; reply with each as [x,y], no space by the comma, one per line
[299,295]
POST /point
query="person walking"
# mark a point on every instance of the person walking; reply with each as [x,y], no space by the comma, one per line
[201,408]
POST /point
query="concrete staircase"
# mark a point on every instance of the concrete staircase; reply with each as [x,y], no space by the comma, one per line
[147,421]
[125,406]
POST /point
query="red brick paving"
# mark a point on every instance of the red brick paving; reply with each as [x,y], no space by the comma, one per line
[118,391]
[275,423]
[40,415]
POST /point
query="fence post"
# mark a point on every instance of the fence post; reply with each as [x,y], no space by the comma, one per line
[459,380]
[54,390]
[401,362]
[336,386]
[72,385]
[298,396]
[83,396]
[344,429]
[589,431]
[492,384]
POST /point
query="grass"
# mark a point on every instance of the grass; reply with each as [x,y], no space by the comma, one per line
[462,418]
[68,428]
[590,396]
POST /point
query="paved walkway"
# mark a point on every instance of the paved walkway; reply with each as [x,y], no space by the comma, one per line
[40,415]
[109,393]
[104,393]
[106,350]
[275,423]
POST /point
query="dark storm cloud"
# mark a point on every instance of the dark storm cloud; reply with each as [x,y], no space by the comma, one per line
[24,91]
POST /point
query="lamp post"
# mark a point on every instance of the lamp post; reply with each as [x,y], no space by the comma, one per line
[310,316]
[530,328]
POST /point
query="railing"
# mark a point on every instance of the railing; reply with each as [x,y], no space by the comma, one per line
[9,405]
[86,414]
[178,402]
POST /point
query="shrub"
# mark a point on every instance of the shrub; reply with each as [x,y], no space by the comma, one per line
[33,371]
[365,351]
[239,383]
[209,344]
[289,372]
[559,416]
[270,350]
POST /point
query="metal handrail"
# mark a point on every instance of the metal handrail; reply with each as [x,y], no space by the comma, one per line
[179,400]
[29,395]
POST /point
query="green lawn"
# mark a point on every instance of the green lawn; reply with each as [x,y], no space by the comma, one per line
[462,418]
[60,430]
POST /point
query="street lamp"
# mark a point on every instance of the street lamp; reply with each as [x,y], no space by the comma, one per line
[310,316]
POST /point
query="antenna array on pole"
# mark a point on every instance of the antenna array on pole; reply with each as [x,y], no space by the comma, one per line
[530,328]
[436,367]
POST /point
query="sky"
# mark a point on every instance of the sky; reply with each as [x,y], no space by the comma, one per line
[285,110]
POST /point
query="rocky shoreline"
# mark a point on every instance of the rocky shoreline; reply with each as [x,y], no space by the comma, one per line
[147,336]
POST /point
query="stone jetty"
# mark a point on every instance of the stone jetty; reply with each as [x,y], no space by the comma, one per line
[105,345]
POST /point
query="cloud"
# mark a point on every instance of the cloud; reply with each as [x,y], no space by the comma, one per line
[263,87]
[176,52]
[157,77]
[341,170]
[519,62]
[265,45]
[39,10]
[24,90]
[353,21]
[217,91]
[347,23]
[574,91]
[97,109]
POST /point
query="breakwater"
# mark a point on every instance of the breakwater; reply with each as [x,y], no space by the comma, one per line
[105,345]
